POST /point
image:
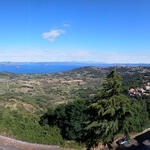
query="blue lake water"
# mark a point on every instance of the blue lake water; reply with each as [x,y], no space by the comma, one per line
[37,68]
[45,67]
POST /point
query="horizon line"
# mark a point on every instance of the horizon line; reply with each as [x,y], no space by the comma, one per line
[84,62]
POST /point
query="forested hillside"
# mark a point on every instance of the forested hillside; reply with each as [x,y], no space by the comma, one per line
[25,98]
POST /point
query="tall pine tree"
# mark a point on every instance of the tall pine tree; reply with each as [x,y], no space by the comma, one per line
[110,112]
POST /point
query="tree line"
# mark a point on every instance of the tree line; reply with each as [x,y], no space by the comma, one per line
[101,118]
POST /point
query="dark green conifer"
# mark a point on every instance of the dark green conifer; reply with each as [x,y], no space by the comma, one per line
[110,111]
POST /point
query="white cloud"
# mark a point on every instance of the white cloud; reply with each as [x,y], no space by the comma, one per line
[53,34]
[53,55]
[66,25]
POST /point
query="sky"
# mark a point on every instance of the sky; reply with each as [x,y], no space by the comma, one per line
[108,31]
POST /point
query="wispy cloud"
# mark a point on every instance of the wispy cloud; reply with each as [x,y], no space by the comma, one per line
[53,34]
[53,55]
[66,25]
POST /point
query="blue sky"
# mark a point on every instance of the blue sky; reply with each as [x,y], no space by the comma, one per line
[110,31]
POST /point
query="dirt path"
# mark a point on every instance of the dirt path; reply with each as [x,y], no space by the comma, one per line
[12,144]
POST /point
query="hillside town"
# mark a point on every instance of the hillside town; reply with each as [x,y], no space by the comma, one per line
[140,91]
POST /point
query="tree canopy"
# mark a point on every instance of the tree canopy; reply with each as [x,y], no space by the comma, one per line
[101,118]
[112,112]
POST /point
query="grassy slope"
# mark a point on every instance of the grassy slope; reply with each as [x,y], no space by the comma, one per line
[23,97]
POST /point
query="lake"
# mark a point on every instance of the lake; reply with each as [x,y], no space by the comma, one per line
[49,67]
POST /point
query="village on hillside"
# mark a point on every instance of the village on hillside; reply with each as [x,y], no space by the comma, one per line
[140,91]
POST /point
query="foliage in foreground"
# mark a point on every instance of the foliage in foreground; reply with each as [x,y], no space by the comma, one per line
[27,128]
[114,113]
[69,118]
[88,121]
[99,119]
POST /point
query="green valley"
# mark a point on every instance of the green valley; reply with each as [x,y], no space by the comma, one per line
[26,98]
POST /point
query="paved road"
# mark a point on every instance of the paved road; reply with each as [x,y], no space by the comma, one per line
[8,148]
[140,142]
[12,144]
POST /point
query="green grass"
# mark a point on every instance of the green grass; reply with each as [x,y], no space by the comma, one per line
[25,127]
[12,86]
